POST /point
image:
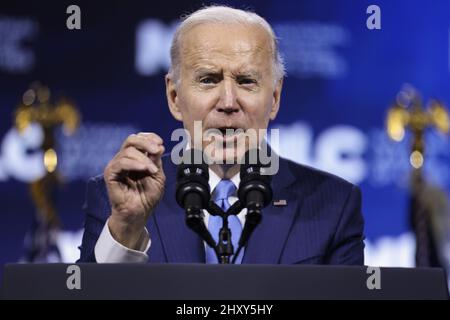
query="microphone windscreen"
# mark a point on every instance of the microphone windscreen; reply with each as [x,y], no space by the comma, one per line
[251,162]
[192,177]
[193,160]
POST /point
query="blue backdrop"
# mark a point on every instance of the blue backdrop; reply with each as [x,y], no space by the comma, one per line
[342,77]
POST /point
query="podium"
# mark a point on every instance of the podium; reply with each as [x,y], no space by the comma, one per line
[219,282]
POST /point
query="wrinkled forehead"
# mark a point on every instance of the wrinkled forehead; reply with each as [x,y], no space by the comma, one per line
[232,43]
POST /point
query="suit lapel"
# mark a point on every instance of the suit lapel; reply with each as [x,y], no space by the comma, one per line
[269,238]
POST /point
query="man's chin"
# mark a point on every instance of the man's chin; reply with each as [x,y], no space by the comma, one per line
[225,156]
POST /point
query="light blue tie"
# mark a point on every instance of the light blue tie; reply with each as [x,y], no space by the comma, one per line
[222,192]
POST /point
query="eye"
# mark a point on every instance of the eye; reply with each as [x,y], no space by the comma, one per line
[208,80]
[246,81]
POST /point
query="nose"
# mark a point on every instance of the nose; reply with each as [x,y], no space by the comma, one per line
[228,98]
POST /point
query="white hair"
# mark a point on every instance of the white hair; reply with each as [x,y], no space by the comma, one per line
[222,15]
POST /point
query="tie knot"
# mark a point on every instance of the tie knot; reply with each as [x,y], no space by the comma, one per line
[223,190]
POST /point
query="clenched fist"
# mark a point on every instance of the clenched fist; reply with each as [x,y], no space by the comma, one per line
[135,182]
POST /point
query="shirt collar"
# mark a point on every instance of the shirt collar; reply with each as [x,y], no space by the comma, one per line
[214,180]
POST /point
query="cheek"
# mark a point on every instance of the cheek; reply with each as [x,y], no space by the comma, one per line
[188,105]
[257,107]
[195,106]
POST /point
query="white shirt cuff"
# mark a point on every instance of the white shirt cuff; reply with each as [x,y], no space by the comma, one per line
[108,250]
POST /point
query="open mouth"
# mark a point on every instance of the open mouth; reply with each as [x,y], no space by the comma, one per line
[224,136]
[226,139]
[230,131]
[229,134]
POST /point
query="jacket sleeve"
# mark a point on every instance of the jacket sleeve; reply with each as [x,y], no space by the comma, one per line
[347,247]
[97,211]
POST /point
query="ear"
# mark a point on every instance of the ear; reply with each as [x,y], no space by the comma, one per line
[172,98]
[276,99]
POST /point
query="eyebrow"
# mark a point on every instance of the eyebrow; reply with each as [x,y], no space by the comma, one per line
[203,71]
[248,73]
[242,73]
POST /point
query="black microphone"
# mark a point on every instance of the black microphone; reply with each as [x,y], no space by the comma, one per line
[254,193]
[193,193]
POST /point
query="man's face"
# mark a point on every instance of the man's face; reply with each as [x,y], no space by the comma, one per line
[226,82]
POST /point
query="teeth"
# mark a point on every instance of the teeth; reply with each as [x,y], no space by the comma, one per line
[228,130]
[232,131]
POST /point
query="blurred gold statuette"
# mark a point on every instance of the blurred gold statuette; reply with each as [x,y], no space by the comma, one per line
[36,107]
[408,113]
[429,209]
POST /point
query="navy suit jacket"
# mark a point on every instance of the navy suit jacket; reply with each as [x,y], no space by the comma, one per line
[321,223]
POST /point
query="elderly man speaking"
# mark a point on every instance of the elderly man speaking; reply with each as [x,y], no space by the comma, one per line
[226,73]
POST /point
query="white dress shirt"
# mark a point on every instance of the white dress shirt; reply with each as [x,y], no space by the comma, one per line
[108,250]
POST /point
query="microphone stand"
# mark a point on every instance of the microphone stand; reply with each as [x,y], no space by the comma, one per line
[224,248]
[252,219]
[194,220]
